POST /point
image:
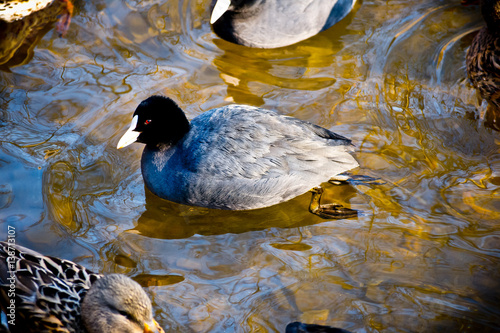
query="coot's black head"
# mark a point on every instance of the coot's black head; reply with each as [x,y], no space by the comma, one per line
[241,5]
[227,10]
[157,120]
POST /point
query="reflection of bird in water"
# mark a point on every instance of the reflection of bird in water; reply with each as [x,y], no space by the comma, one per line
[483,61]
[164,219]
[48,292]
[23,24]
[235,157]
[271,24]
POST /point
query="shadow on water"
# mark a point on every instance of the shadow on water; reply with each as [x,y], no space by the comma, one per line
[167,220]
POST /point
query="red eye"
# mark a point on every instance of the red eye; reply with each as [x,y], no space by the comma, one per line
[147,122]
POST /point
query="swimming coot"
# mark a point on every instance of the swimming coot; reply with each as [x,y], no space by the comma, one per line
[271,24]
[235,157]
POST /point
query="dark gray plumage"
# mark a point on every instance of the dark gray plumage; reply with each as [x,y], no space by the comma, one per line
[56,295]
[277,23]
[234,157]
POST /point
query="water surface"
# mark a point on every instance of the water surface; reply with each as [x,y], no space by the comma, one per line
[424,253]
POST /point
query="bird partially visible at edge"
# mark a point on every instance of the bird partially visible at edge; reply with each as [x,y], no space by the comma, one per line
[483,62]
[277,23]
[56,295]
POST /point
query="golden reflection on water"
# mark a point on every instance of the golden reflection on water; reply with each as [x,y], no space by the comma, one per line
[19,37]
[423,253]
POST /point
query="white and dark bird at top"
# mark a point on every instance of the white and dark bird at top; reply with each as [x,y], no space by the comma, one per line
[277,23]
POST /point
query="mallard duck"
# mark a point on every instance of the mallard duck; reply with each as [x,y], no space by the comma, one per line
[271,24]
[23,23]
[235,157]
[57,295]
[483,61]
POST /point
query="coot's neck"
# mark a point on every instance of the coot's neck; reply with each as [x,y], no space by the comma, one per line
[169,138]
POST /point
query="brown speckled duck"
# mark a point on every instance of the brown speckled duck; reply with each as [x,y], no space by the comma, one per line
[56,295]
[483,61]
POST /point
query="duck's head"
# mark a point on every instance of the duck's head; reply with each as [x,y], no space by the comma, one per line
[157,120]
[117,304]
[491,13]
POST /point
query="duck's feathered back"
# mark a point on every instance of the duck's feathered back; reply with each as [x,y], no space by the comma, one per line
[48,290]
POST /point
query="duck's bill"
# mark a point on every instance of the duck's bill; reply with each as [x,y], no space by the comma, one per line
[153,327]
[221,6]
[130,136]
